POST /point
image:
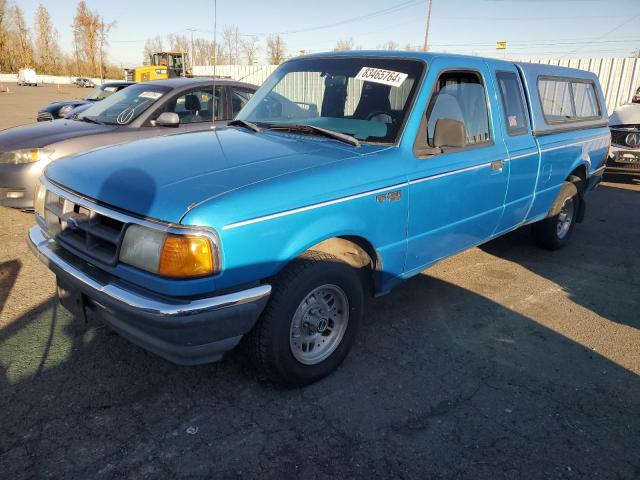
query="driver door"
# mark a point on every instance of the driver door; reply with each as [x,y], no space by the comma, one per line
[456,196]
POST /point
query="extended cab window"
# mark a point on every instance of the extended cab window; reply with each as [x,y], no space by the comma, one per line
[515,113]
[460,96]
[567,100]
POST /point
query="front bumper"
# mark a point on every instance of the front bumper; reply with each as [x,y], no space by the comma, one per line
[181,330]
[624,160]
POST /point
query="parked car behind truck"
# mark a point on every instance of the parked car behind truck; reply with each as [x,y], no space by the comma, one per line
[62,109]
[162,107]
[625,139]
[274,230]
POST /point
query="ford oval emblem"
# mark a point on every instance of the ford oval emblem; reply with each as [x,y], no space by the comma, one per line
[72,223]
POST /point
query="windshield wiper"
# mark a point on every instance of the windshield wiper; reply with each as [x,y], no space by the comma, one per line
[246,124]
[343,137]
[89,120]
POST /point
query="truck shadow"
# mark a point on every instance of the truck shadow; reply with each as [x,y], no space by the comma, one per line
[599,268]
[441,381]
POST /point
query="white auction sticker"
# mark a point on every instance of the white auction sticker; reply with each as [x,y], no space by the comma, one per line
[379,75]
[151,95]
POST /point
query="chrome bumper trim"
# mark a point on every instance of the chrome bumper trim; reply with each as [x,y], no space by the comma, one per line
[40,245]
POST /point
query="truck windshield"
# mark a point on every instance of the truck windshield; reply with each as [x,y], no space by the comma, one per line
[124,106]
[367,98]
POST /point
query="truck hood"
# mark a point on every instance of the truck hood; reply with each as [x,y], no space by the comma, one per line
[163,177]
[45,133]
[626,115]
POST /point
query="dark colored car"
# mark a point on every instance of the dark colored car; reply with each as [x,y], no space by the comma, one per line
[636,97]
[148,109]
[84,82]
[61,109]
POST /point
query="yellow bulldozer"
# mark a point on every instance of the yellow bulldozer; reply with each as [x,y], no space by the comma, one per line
[162,65]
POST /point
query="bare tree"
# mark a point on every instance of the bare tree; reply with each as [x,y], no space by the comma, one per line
[636,53]
[231,44]
[276,49]
[5,63]
[46,41]
[390,45]
[152,45]
[344,45]
[179,43]
[251,49]
[103,40]
[22,46]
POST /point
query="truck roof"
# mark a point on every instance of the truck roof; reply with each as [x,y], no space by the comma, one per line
[530,73]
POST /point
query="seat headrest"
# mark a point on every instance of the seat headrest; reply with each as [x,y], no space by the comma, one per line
[191,102]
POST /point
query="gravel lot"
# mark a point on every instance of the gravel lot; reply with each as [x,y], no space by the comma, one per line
[503,362]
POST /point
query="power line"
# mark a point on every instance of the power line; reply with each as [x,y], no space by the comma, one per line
[377,13]
[606,34]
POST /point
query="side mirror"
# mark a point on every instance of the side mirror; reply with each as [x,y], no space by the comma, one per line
[449,133]
[168,119]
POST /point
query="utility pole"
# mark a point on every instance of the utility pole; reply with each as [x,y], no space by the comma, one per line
[425,47]
[192,50]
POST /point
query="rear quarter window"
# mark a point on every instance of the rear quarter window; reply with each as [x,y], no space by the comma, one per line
[567,99]
[513,105]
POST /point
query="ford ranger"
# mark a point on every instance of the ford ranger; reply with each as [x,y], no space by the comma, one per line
[345,174]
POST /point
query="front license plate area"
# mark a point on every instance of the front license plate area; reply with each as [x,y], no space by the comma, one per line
[629,157]
[72,300]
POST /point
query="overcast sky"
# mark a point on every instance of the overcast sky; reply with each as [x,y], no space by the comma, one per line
[536,28]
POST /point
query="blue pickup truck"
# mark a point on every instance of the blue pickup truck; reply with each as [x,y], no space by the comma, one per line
[344,175]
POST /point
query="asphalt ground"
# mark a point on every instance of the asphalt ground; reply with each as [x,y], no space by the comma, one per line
[505,361]
[21,104]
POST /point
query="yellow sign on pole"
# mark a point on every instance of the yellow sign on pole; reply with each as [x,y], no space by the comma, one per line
[501,45]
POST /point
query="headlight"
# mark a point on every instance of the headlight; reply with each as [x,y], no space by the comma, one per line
[64,110]
[27,155]
[39,198]
[168,254]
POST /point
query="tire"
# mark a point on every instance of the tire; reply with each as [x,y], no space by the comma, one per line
[302,293]
[555,231]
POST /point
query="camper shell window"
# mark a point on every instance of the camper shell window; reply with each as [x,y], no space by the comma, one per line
[566,100]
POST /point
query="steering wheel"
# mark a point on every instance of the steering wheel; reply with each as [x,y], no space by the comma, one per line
[382,117]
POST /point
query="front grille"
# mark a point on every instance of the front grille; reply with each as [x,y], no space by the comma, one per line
[619,135]
[625,165]
[44,116]
[79,229]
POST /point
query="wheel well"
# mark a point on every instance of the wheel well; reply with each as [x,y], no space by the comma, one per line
[357,252]
[579,177]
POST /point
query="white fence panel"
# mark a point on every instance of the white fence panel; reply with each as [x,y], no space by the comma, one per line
[49,79]
[255,74]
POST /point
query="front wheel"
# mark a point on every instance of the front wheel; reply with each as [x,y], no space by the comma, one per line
[554,231]
[310,322]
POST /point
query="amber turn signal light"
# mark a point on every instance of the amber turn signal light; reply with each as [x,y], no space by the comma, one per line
[186,256]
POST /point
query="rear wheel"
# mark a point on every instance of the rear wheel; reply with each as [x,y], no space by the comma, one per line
[310,322]
[554,231]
